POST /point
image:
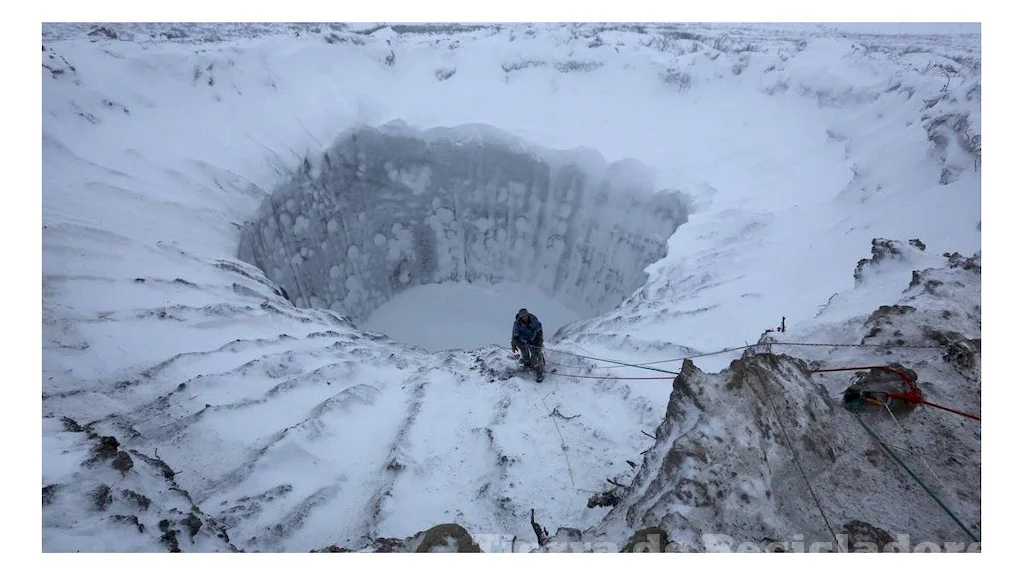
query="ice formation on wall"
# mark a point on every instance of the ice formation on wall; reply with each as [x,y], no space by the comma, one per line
[386,209]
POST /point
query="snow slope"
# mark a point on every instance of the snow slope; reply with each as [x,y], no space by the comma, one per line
[790,147]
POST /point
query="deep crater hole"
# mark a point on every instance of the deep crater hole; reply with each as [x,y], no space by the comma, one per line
[438,237]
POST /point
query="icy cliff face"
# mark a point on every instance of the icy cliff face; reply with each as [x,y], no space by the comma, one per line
[385,210]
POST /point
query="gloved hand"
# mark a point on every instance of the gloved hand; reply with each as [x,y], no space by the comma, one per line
[539,343]
[514,347]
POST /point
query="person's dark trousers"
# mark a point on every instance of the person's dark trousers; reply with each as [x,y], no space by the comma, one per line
[533,357]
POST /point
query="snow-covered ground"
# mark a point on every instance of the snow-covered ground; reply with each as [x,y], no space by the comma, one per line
[458,315]
[785,150]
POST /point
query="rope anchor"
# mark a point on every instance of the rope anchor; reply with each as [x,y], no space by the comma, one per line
[911,396]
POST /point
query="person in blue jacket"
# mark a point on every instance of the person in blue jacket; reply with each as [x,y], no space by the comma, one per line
[528,337]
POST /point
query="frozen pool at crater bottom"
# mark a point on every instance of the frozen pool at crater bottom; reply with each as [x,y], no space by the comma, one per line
[461,315]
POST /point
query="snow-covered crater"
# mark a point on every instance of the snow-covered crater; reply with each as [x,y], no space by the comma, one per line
[188,405]
[383,210]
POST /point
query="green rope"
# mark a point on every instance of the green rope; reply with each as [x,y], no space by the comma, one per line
[854,407]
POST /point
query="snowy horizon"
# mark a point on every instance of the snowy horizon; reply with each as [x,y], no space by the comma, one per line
[284,259]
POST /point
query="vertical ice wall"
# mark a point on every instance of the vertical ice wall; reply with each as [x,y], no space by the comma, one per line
[386,209]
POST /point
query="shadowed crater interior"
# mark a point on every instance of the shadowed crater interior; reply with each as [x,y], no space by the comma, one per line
[385,209]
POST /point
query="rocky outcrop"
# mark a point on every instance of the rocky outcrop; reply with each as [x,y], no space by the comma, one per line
[752,456]
[135,498]
[722,462]
[864,537]
[441,538]
[878,383]
[883,249]
[956,260]
[104,32]
[447,538]
[648,540]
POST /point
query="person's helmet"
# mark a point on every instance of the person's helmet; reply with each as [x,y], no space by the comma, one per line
[523,315]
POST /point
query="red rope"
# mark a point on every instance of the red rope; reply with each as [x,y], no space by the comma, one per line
[964,414]
[913,393]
